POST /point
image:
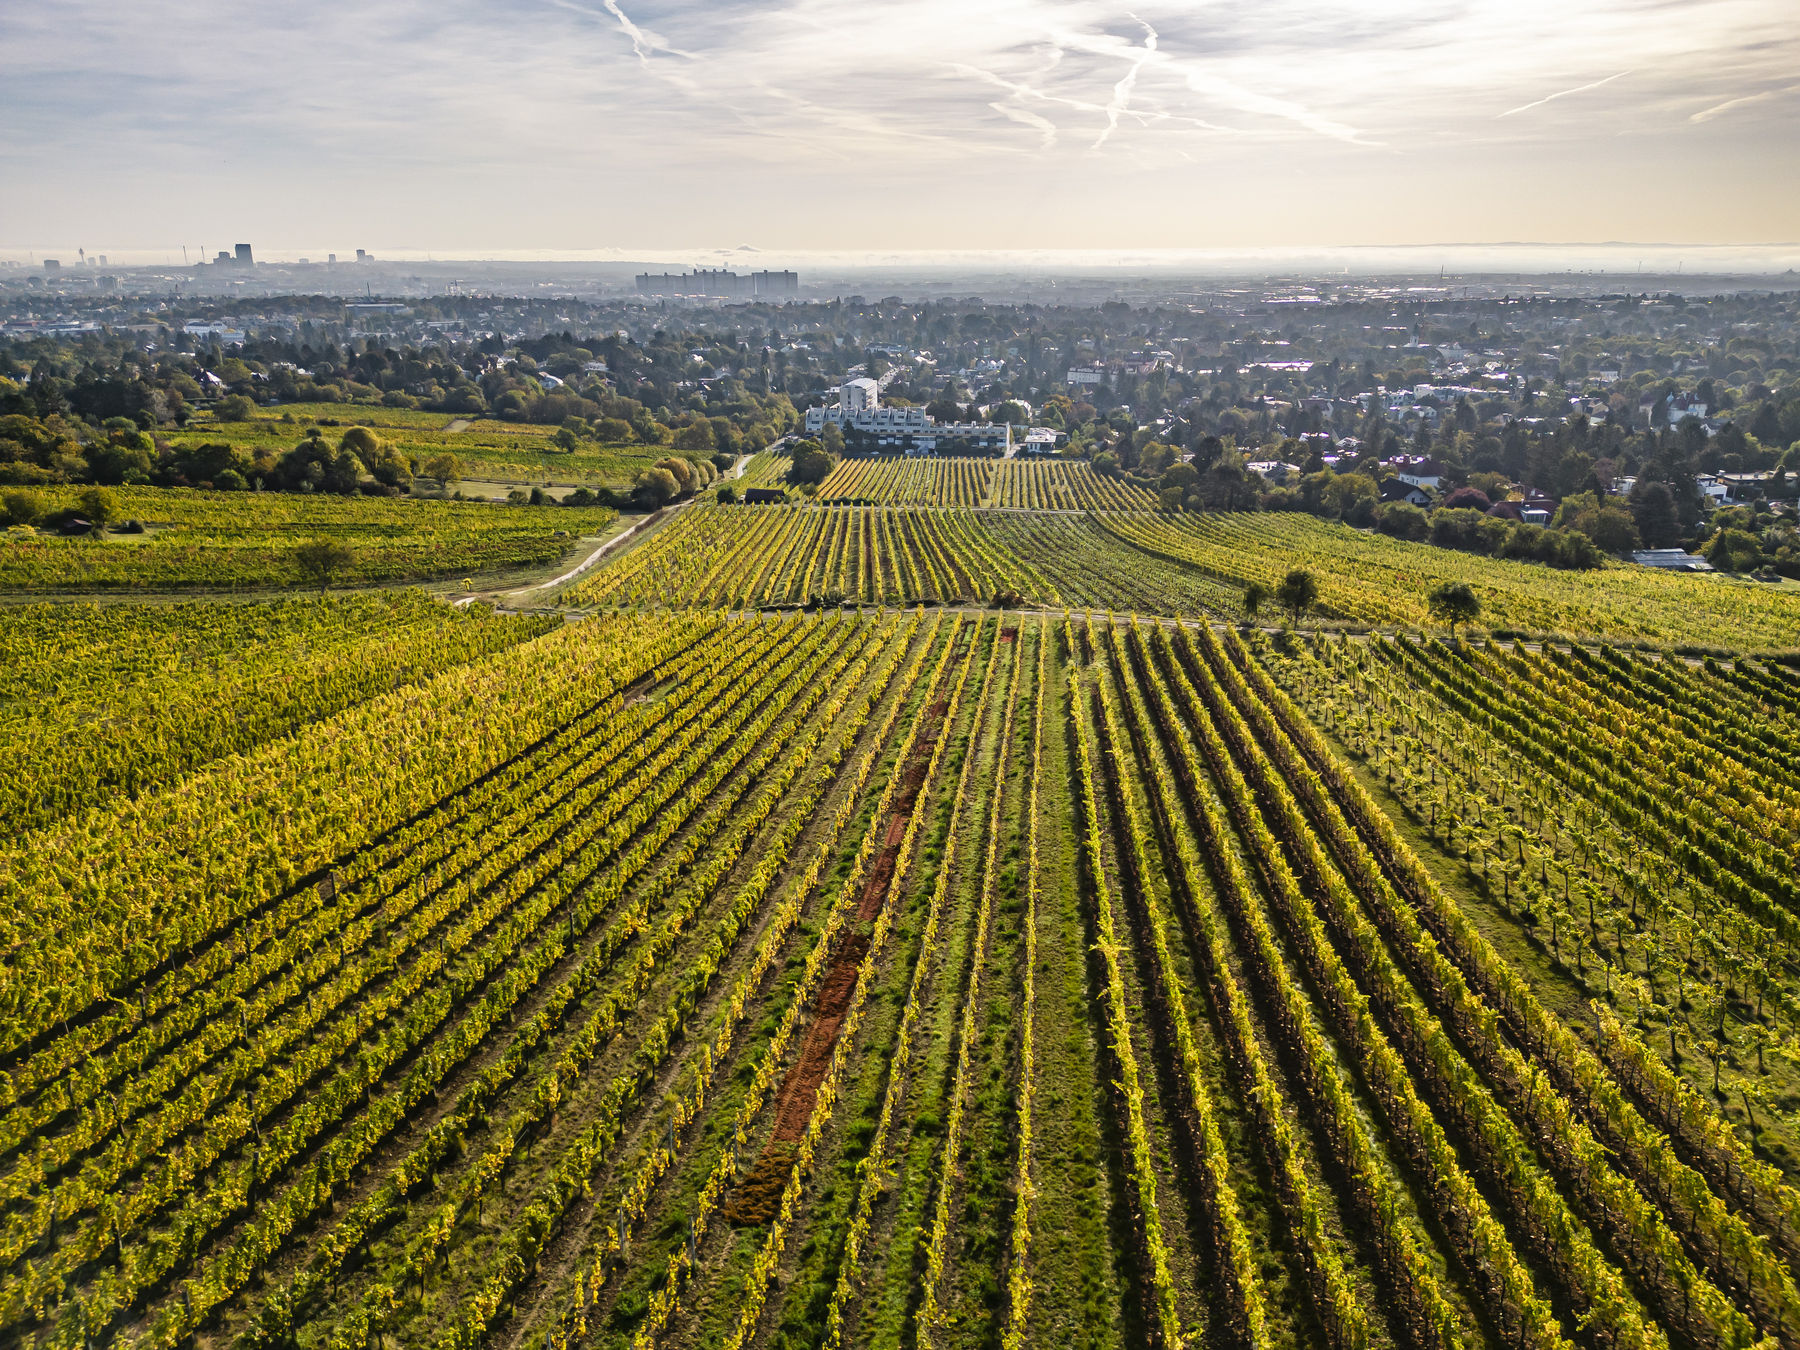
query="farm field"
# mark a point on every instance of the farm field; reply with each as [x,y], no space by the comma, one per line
[901,480]
[97,701]
[738,557]
[914,979]
[196,539]
[1064,485]
[1379,581]
[766,468]
[487,448]
[1145,562]
[969,481]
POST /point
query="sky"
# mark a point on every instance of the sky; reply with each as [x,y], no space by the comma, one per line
[647,128]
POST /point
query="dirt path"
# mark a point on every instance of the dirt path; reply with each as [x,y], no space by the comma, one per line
[458,424]
[503,599]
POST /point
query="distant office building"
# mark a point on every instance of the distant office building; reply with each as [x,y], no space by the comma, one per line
[331,257]
[223,259]
[362,257]
[719,284]
[243,256]
[103,260]
[53,264]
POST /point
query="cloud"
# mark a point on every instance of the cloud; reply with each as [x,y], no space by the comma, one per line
[1718,109]
[643,41]
[1121,96]
[650,116]
[1564,93]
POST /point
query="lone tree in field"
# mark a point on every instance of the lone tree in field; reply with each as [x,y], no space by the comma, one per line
[98,506]
[322,559]
[810,463]
[1453,602]
[1256,595]
[1297,593]
[446,468]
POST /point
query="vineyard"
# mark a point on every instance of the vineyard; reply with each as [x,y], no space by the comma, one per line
[1378,581]
[199,540]
[98,701]
[1065,485]
[911,979]
[899,480]
[767,556]
[973,482]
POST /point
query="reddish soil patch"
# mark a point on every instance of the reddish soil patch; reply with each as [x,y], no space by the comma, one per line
[757,1196]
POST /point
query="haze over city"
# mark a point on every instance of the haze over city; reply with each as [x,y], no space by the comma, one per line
[644,127]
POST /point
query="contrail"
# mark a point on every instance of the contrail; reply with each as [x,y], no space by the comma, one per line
[1121,99]
[1707,114]
[643,41]
[1578,89]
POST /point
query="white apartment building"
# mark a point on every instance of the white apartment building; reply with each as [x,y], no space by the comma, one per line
[855,396]
[870,428]
[875,419]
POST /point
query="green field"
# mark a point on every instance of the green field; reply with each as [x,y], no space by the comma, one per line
[195,539]
[121,699]
[1140,561]
[487,449]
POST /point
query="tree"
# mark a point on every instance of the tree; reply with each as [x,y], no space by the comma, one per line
[23,508]
[446,468]
[1297,593]
[834,439]
[1453,603]
[1256,595]
[322,559]
[656,487]
[696,438]
[381,459]
[234,408]
[1180,476]
[1658,517]
[810,464]
[98,507]
[1469,498]
[682,470]
[1601,519]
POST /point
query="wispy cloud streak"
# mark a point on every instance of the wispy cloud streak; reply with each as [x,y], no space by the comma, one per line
[1562,93]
